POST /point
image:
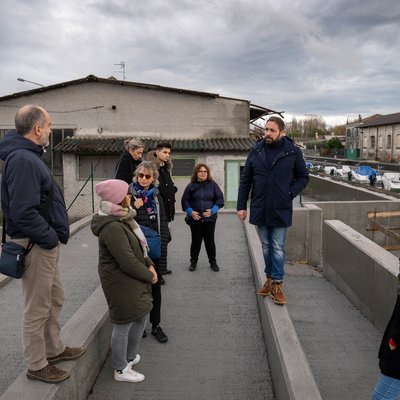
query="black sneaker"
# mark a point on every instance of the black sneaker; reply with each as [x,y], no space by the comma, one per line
[159,334]
[214,266]
[161,280]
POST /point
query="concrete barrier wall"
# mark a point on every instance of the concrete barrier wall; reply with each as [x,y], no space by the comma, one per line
[355,215]
[304,240]
[326,189]
[291,374]
[90,327]
[362,270]
[304,236]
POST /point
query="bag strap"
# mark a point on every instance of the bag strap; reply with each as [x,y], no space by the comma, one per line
[44,214]
[3,238]
[3,233]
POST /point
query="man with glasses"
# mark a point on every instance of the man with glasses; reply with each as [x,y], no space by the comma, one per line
[275,173]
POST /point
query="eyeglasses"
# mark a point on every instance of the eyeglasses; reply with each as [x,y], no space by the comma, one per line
[141,176]
[203,171]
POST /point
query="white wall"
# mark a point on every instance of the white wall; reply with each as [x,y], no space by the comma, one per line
[143,112]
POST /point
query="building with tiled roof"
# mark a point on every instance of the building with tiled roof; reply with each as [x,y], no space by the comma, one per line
[380,138]
[353,141]
[91,118]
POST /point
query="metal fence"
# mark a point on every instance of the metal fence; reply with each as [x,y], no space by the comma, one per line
[82,204]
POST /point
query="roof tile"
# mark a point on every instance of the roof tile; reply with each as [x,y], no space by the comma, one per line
[112,145]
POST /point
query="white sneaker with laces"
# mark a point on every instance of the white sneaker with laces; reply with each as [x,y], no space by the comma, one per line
[128,375]
[135,361]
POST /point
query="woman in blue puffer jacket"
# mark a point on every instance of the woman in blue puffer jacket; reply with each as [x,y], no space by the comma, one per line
[201,200]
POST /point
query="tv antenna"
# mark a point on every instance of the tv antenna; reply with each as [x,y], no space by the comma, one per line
[122,65]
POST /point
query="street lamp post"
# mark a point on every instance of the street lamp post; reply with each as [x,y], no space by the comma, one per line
[25,80]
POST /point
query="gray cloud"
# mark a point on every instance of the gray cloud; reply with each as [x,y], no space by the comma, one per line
[327,58]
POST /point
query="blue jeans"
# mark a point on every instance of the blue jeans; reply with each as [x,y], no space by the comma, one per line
[273,246]
[387,388]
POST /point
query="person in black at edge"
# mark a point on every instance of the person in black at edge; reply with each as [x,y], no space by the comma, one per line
[149,207]
[160,157]
[388,386]
[129,160]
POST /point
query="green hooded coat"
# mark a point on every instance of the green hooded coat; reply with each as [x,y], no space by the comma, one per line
[124,272]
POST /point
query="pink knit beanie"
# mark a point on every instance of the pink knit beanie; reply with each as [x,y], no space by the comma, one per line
[112,190]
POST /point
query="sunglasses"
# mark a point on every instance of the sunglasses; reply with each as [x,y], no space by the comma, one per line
[141,176]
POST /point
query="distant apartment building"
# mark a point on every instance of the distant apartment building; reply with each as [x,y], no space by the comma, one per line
[380,138]
[374,138]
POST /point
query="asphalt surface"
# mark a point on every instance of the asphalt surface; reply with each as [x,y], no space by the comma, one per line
[215,347]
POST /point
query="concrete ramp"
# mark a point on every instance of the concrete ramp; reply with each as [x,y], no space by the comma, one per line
[216,348]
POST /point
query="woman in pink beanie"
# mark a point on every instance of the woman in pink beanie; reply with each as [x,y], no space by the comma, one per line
[126,274]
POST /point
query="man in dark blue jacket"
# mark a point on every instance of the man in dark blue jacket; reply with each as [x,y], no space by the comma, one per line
[274,173]
[34,210]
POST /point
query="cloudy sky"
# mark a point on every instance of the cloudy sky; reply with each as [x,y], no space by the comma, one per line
[335,58]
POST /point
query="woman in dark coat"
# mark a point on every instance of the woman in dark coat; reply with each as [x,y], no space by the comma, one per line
[149,207]
[126,273]
[388,386]
[201,200]
[129,160]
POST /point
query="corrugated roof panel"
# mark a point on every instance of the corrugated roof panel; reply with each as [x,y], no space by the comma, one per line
[109,145]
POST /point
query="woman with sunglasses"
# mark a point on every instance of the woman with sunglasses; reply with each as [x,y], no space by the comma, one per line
[150,212]
[129,160]
[201,200]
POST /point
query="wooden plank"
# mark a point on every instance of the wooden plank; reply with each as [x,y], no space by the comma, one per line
[378,227]
[391,247]
[383,214]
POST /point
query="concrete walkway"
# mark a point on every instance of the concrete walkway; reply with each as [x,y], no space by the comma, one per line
[78,267]
[340,344]
[215,349]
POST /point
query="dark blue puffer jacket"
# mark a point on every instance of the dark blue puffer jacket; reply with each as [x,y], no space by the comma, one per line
[26,184]
[201,196]
[272,188]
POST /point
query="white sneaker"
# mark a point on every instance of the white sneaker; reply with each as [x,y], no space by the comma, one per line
[128,375]
[135,361]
